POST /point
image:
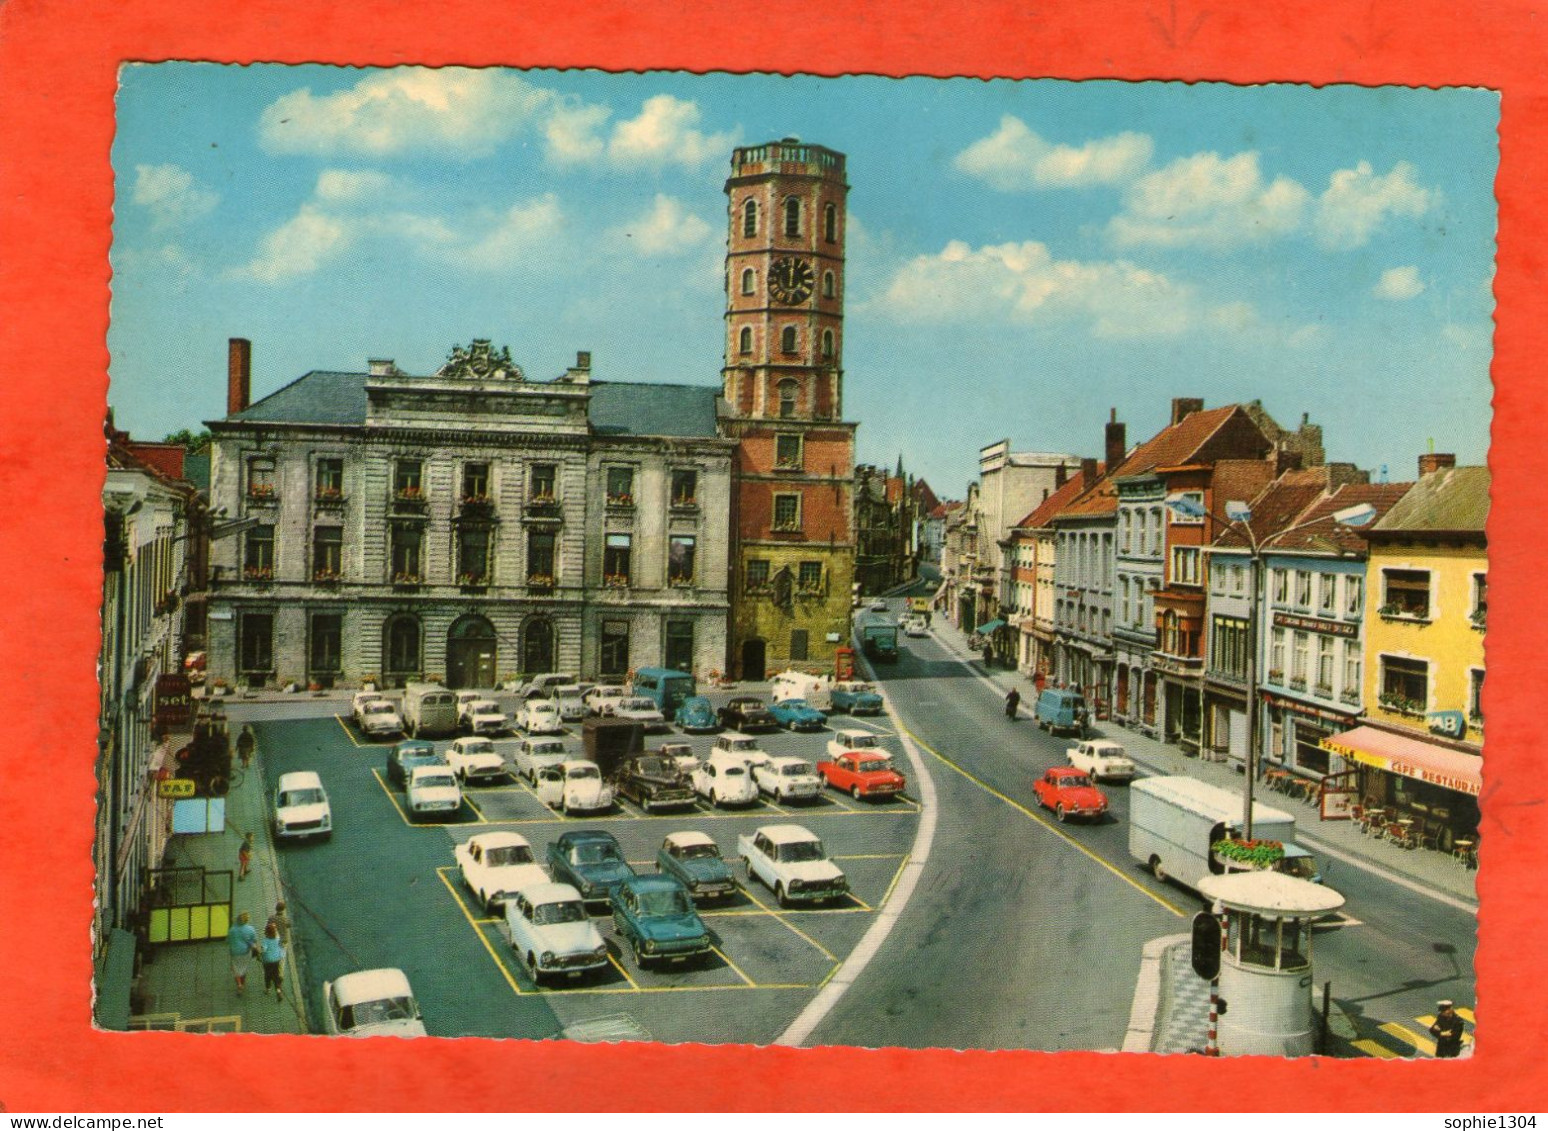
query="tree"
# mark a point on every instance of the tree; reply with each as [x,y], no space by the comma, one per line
[193,441]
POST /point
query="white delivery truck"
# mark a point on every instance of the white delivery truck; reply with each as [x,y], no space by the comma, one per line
[1173,821]
[429,710]
[815,690]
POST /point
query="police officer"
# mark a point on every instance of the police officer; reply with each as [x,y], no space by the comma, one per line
[1447,1030]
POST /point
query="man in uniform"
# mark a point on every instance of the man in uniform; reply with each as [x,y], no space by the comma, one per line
[1447,1030]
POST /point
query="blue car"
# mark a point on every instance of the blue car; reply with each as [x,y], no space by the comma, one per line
[857,698]
[407,756]
[655,916]
[696,714]
[797,714]
[590,861]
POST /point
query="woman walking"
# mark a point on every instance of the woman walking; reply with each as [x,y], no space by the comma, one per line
[245,857]
[273,954]
[242,939]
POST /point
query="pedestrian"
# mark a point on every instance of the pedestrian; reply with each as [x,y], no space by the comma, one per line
[247,742]
[245,856]
[1447,1031]
[242,941]
[281,919]
[272,951]
[1012,701]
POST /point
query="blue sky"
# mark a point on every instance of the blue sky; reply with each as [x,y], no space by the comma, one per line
[1022,255]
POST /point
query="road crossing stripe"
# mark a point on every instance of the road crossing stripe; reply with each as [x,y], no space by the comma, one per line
[1376,1049]
[482,937]
[1408,1037]
[1466,1015]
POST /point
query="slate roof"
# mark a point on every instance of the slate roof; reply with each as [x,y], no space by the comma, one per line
[322,396]
[1453,500]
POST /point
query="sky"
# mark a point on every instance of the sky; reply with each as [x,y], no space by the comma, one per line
[1023,256]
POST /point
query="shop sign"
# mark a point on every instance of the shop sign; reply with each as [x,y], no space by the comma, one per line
[1315,624]
[1299,708]
[172,701]
[1434,777]
[176,788]
[1450,724]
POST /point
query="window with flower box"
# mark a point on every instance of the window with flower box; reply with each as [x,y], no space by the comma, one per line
[620,486]
[1479,612]
[757,575]
[1353,673]
[685,487]
[542,565]
[1405,594]
[616,552]
[1325,666]
[406,546]
[258,554]
[809,577]
[328,485]
[473,556]
[407,480]
[1300,658]
[475,485]
[325,647]
[328,554]
[260,478]
[544,484]
[1276,672]
[1404,686]
[680,560]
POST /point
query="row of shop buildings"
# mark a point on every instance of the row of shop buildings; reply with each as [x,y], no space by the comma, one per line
[1224,567]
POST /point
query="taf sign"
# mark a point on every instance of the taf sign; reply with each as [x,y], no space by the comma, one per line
[1451,724]
[176,788]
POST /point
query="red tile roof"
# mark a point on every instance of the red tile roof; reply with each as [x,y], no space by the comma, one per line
[1051,507]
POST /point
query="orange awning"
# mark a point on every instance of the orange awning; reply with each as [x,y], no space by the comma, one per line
[1411,757]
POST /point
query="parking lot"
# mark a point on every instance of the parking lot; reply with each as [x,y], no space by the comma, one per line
[386,891]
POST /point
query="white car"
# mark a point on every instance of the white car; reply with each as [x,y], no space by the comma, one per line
[724,779]
[878,606]
[475,761]
[375,715]
[495,866]
[466,699]
[584,789]
[601,699]
[542,686]
[540,716]
[551,933]
[788,778]
[535,753]
[861,740]
[568,698]
[681,754]
[742,746]
[301,807]
[371,1003]
[485,717]
[1102,759]
[433,791]
[793,863]
[915,626]
[639,709]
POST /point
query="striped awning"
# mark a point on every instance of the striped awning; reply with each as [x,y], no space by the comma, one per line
[1410,757]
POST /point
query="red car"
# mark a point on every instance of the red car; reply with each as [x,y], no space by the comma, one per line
[1069,793]
[862,775]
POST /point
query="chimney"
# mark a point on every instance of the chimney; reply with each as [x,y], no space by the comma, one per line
[239,375]
[1183,407]
[1436,461]
[580,372]
[1088,473]
[1060,475]
[1116,444]
[381,366]
[1285,460]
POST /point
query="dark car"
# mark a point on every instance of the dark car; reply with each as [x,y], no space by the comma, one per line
[798,714]
[696,861]
[747,712]
[653,782]
[590,861]
[696,714]
[655,916]
[406,757]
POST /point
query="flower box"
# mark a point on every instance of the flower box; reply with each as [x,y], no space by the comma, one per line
[258,573]
[1478,618]
[616,580]
[407,580]
[473,580]
[686,503]
[260,490]
[327,576]
[620,500]
[680,582]
[1251,854]
[540,581]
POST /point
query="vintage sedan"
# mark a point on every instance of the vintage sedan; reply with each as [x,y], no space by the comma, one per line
[856,742]
[375,715]
[788,779]
[535,753]
[601,699]
[475,761]
[797,714]
[696,861]
[1103,759]
[746,712]
[724,779]
[681,755]
[584,789]
[541,716]
[572,708]
[485,717]
[433,792]
[653,782]
[495,866]
[371,1003]
[590,860]
[654,915]
[551,933]
[696,714]
[408,756]
[301,807]
[1069,793]
[857,697]
[639,709]
[862,775]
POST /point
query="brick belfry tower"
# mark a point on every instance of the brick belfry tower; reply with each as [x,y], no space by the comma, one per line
[792,518]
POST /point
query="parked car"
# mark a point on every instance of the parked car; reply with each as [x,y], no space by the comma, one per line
[551,933]
[540,716]
[878,606]
[590,860]
[601,699]
[535,753]
[584,789]
[695,860]
[654,915]
[301,807]
[409,755]
[740,746]
[916,626]
[465,700]
[724,779]
[568,699]
[788,779]
[792,863]
[639,709]
[371,1003]
[681,755]
[542,686]
[696,714]
[1069,793]
[746,712]
[433,792]
[652,782]
[1061,710]
[857,697]
[485,717]
[475,761]
[375,715]
[1103,759]
[795,714]
[858,741]
[862,775]
[495,866]
[815,690]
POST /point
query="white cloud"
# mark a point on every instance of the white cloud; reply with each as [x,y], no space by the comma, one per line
[666,133]
[572,135]
[666,229]
[1210,202]
[299,246]
[513,237]
[1470,337]
[170,194]
[1357,203]
[1014,158]
[342,185]
[1024,283]
[1398,284]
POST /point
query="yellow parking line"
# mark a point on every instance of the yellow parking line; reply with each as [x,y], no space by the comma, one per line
[619,967]
[482,937]
[391,796]
[828,977]
[733,966]
[797,930]
[733,988]
[444,871]
[344,727]
[874,856]
[698,816]
[896,876]
[1043,824]
[479,813]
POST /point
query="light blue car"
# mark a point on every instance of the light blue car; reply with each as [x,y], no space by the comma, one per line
[797,714]
[696,714]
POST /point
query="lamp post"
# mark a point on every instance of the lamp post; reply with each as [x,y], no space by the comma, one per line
[1238,516]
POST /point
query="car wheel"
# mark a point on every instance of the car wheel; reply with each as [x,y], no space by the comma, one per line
[1059,812]
[779,895]
[714,799]
[639,955]
[532,969]
[1157,869]
[854,791]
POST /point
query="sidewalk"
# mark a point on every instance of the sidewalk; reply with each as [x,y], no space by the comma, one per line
[188,986]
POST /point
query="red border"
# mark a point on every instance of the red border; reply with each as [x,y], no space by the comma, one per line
[57,81]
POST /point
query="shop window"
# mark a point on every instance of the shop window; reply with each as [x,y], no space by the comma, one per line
[328,553]
[258,554]
[678,653]
[614,659]
[255,643]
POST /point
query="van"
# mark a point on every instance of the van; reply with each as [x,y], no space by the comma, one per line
[1061,709]
[665,687]
[429,710]
[816,691]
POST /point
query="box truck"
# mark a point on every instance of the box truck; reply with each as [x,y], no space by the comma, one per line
[429,710]
[1174,821]
[880,642]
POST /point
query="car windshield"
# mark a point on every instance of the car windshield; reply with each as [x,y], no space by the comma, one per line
[698,851]
[637,705]
[796,768]
[379,708]
[1073,779]
[555,747]
[872,766]
[581,773]
[732,771]
[672,902]
[569,911]
[483,746]
[737,744]
[862,742]
[800,851]
[595,854]
[508,854]
[376,1012]
[437,780]
[301,797]
[650,766]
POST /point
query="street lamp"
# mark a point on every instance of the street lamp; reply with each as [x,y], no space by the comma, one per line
[1238,515]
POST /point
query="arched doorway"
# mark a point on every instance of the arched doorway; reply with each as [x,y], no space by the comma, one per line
[470,653]
[537,646]
[753,659]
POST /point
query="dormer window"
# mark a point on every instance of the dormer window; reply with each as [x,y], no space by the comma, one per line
[792,217]
[750,218]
